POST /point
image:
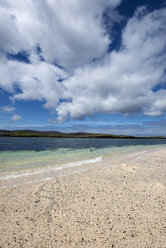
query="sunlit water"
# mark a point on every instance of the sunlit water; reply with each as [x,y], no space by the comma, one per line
[21,157]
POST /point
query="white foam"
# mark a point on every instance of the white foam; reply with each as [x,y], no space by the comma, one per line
[48,169]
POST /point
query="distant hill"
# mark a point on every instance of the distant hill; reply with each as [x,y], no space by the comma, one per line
[57,134]
[26,133]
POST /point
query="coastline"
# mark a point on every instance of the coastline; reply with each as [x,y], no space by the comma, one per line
[23,167]
[120,205]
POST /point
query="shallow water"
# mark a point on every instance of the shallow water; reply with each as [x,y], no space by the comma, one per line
[29,153]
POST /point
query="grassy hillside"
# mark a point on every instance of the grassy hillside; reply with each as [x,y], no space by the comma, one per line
[56,134]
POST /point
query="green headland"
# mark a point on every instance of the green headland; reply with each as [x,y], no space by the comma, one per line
[56,134]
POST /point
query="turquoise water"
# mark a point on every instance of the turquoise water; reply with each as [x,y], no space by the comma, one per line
[18,160]
[24,160]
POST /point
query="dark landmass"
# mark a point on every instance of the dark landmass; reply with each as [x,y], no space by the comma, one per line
[56,134]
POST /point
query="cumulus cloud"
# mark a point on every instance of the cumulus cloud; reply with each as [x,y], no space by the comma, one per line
[8,109]
[72,34]
[69,32]
[38,82]
[16,117]
[125,80]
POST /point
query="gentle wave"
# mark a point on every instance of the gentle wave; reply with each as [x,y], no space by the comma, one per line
[48,169]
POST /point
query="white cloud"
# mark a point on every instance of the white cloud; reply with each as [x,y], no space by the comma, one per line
[69,32]
[16,117]
[36,81]
[124,81]
[72,34]
[8,109]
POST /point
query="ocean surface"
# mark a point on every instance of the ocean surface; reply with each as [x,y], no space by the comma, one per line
[22,157]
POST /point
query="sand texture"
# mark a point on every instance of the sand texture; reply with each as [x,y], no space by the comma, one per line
[123,205]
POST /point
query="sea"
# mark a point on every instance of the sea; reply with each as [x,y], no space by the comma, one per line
[23,160]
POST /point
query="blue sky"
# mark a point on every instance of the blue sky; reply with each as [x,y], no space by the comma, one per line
[95,66]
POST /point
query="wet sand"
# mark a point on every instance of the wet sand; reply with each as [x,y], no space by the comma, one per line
[121,205]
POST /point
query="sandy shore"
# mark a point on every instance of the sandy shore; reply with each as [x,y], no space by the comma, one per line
[123,205]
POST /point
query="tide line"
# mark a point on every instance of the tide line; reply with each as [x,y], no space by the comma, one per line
[48,169]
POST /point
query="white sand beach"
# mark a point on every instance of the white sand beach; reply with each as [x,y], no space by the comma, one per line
[120,205]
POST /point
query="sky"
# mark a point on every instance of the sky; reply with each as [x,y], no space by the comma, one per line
[83,65]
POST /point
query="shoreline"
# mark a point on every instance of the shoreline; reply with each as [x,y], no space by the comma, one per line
[36,174]
[120,205]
